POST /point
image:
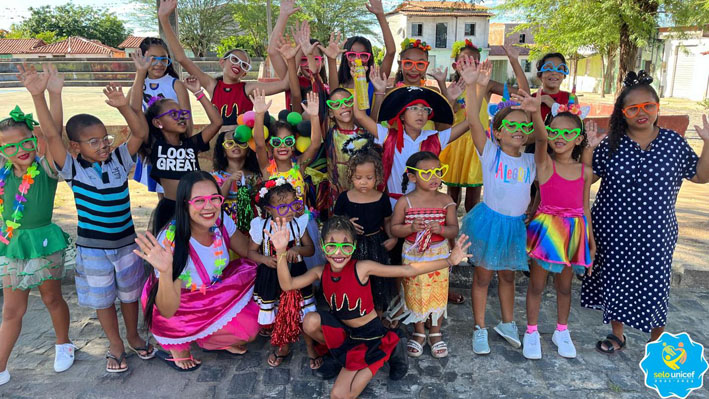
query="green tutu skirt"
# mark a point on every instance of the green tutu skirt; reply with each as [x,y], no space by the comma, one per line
[34,256]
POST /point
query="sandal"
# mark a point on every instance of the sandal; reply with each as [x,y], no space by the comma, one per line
[170,361]
[278,359]
[413,347]
[608,343]
[439,350]
[390,323]
[455,299]
[119,360]
[313,362]
[147,348]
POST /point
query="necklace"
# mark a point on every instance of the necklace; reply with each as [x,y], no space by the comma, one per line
[219,262]
[20,199]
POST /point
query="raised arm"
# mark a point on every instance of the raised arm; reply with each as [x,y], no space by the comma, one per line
[36,83]
[311,109]
[279,239]
[258,98]
[376,8]
[167,7]
[142,64]
[439,75]
[702,175]
[379,81]
[289,52]
[593,139]
[215,120]
[332,51]
[136,123]
[55,84]
[476,80]
[287,8]
[532,105]
[361,117]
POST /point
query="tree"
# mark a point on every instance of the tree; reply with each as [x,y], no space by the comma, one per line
[604,25]
[66,20]
[249,16]
[327,16]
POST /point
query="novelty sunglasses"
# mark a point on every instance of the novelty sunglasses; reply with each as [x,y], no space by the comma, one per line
[512,127]
[201,201]
[632,111]
[346,248]
[353,55]
[566,134]
[304,60]
[165,61]
[336,104]
[550,67]
[282,210]
[229,144]
[245,66]
[427,174]
[411,64]
[11,149]
[276,142]
[176,114]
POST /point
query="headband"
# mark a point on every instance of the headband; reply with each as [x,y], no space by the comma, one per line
[572,107]
[153,100]
[493,109]
[20,117]
[460,45]
[410,43]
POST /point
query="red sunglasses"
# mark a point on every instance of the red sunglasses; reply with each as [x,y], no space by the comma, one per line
[200,202]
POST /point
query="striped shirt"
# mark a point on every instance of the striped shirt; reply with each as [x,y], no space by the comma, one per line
[102,199]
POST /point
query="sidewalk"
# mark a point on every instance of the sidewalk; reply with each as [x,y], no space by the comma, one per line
[503,374]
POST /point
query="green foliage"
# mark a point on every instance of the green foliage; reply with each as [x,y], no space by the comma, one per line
[327,16]
[379,54]
[242,42]
[704,103]
[55,23]
[250,17]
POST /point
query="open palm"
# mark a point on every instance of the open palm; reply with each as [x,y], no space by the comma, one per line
[115,95]
[35,82]
[703,131]
[154,253]
[468,70]
[593,135]
[258,98]
[334,47]
[55,82]
[460,250]
[279,235]
[313,104]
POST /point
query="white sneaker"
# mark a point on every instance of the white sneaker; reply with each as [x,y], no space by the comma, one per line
[532,348]
[63,356]
[4,377]
[562,339]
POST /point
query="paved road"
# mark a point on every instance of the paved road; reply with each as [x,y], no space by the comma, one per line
[503,374]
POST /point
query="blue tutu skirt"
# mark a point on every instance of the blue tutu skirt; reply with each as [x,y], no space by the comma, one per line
[498,242]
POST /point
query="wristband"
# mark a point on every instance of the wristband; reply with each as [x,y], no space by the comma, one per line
[200,95]
[381,93]
[281,255]
[448,260]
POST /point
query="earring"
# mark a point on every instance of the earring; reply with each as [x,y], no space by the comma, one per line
[159,126]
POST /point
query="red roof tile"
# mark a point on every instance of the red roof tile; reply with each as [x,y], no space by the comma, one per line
[440,8]
[76,45]
[19,46]
[131,42]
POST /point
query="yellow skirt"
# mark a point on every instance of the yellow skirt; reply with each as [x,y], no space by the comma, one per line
[426,294]
[464,165]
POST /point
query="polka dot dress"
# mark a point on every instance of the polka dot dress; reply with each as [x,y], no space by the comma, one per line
[635,228]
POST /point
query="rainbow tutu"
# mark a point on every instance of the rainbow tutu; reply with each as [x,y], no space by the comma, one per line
[558,238]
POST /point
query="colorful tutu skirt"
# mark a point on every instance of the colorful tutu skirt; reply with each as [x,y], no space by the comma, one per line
[369,247]
[220,316]
[497,240]
[368,346]
[425,295]
[465,169]
[34,256]
[558,239]
[267,292]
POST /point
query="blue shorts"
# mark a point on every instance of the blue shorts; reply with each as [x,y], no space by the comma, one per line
[102,275]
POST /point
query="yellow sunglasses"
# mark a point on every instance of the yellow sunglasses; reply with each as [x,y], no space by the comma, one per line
[229,144]
[427,174]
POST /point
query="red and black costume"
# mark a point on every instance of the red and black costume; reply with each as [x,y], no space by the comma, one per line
[231,101]
[368,346]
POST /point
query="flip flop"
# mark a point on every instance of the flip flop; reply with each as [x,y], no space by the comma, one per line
[458,299]
[610,349]
[225,351]
[170,361]
[119,360]
[277,357]
[146,349]
[315,359]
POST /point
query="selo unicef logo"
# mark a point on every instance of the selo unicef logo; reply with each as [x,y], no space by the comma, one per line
[674,365]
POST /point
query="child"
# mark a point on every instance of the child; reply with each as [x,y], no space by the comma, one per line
[277,199]
[426,219]
[228,93]
[369,211]
[237,173]
[171,151]
[497,224]
[350,328]
[155,76]
[23,265]
[560,236]
[106,267]
[642,167]
[552,70]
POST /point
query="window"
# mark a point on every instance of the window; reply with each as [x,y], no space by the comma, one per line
[441,35]
[416,29]
[527,65]
[522,37]
[469,29]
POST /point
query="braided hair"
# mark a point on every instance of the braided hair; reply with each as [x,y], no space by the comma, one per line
[412,162]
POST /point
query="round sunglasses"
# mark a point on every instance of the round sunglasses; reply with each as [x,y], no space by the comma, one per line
[632,111]
[201,201]
[276,142]
[229,144]
[566,134]
[411,64]
[512,127]
[11,149]
[427,174]
[283,209]
[336,104]
[346,248]
[96,143]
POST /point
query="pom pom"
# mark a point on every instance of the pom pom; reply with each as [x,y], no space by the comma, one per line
[303,129]
[294,118]
[286,328]
[249,118]
[265,133]
[240,119]
[244,211]
[302,144]
[242,134]
[283,115]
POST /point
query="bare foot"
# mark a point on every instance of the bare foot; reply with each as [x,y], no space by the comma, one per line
[278,355]
[137,343]
[237,349]
[189,361]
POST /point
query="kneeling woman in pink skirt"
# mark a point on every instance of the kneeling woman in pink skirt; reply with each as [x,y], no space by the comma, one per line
[197,294]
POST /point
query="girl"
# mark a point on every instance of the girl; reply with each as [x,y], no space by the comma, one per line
[559,237]
[552,70]
[350,329]
[228,93]
[171,151]
[369,211]
[426,219]
[497,224]
[155,76]
[196,293]
[277,199]
[639,163]
[32,248]
[237,173]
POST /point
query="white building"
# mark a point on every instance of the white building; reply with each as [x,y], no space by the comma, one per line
[685,64]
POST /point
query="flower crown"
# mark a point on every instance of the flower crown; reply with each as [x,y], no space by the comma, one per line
[273,183]
[410,43]
[572,107]
[460,45]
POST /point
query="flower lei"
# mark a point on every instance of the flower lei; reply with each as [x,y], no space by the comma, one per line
[20,198]
[219,263]
[410,43]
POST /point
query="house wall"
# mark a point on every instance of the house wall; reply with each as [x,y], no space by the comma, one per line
[674,49]
[502,70]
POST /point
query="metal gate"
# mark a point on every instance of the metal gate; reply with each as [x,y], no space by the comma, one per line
[682,81]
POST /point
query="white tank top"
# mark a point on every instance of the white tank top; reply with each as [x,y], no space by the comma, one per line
[163,88]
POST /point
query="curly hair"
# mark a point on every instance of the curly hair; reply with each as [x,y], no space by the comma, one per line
[338,223]
[578,149]
[363,157]
[618,125]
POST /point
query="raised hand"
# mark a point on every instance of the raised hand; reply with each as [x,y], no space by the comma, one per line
[378,79]
[334,47]
[301,34]
[313,104]
[288,7]
[593,136]
[154,253]
[484,73]
[166,8]
[375,7]
[468,70]
[459,252]
[439,74]
[455,90]
[258,98]
[279,236]
[192,84]
[286,48]
[142,62]
[703,131]
[511,50]
[526,102]
[55,83]
[115,95]
[35,82]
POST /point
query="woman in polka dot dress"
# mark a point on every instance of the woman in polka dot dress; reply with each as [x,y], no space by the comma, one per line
[642,167]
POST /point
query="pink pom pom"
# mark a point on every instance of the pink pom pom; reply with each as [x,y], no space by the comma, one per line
[249,118]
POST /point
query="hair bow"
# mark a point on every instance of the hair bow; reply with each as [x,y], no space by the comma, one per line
[633,79]
[572,107]
[18,116]
[153,100]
